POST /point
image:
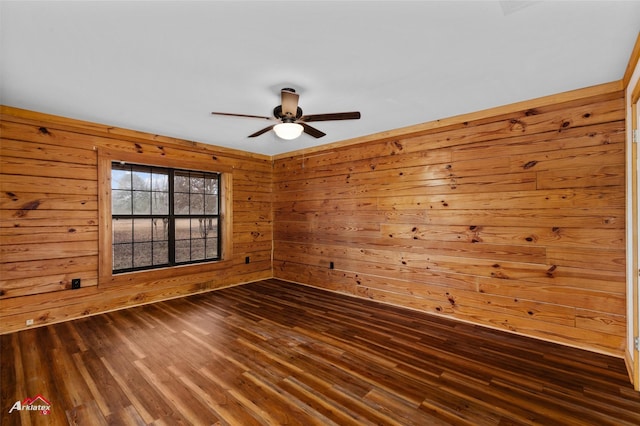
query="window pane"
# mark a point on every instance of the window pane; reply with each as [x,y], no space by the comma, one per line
[142,230]
[141,202]
[197,183]
[211,204]
[197,249]
[160,253]
[160,182]
[160,203]
[211,247]
[181,182]
[183,251]
[183,229]
[160,229]
[141,180]
[141,255]
[211,186]
[197,203]
[181,203]
[202,227]
[120,179]
[213,229]
[121,231]
[120,201]
[122,256]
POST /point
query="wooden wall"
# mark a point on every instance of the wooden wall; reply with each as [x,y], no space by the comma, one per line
[49,218]
[511,218]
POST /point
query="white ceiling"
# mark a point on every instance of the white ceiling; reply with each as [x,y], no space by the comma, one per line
[163,66]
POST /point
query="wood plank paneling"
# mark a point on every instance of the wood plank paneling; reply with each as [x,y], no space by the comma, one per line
[513,220]
[49,210]
[515,214]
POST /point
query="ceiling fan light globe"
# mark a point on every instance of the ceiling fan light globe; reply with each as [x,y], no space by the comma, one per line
[288,131]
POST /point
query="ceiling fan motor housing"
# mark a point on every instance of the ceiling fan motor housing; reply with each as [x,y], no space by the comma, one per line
[277,113]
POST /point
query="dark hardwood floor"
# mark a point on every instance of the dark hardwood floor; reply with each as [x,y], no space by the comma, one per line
[273,353]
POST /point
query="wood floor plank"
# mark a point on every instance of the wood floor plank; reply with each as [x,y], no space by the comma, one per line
[85,414]
[276,353]
[185,402]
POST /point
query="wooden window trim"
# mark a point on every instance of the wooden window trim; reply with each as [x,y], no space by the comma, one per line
[106,277]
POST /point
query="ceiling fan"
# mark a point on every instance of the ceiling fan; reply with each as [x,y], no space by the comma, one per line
[292,121]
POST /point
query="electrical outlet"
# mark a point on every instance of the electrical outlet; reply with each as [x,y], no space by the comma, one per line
[75,283]
[29,322]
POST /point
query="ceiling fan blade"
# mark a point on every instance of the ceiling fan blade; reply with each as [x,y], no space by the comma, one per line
[259,132]
[355,115]
[289,103]
[241,115]
[312,131]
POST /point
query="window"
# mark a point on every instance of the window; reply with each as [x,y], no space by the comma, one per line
[163,217]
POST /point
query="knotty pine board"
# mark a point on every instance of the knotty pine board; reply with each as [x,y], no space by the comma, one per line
[513,221]
[49,217]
